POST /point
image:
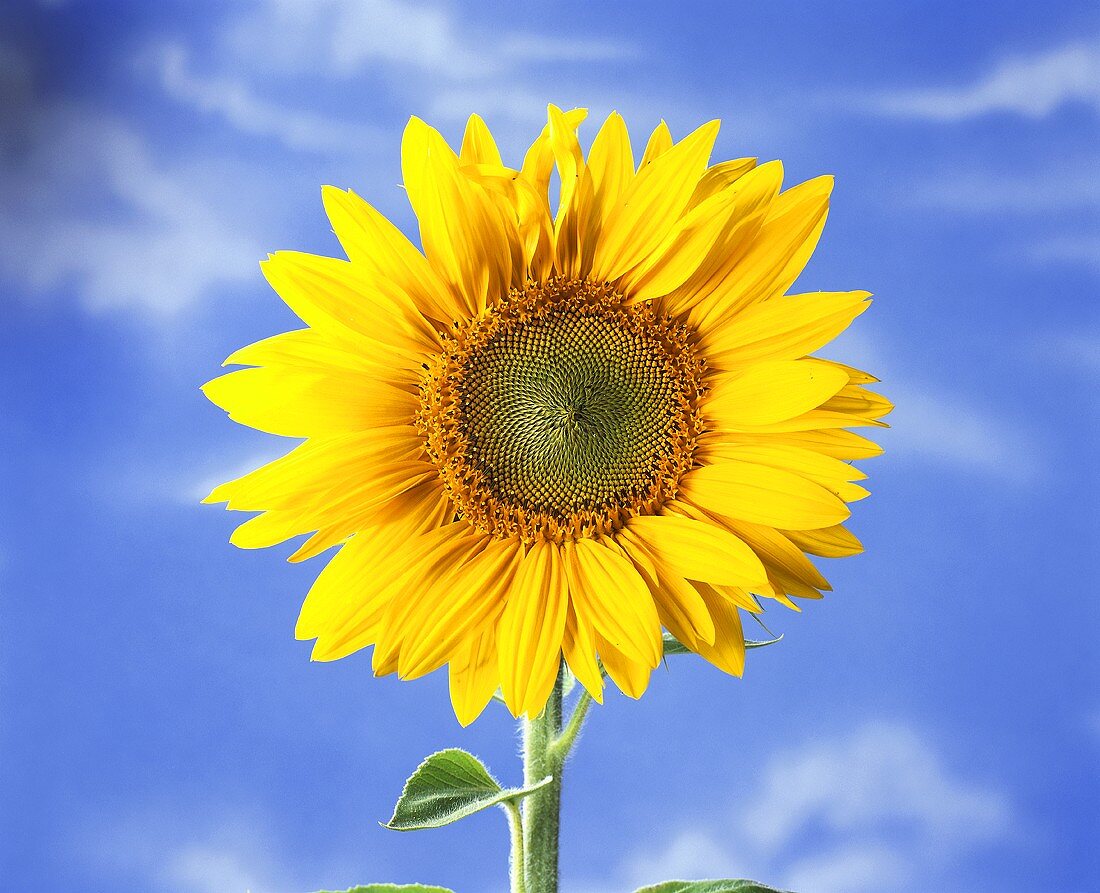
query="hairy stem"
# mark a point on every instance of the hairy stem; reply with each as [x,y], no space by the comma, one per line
[518,867]
[563,744]
[541,810]
[546,747]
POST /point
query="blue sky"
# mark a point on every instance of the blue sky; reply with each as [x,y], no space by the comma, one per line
[934,724]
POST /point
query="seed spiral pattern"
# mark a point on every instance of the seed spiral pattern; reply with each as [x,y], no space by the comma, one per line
[562,411]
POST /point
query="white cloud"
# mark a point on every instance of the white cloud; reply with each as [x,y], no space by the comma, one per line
[692,853]
[929,425]
[216,869]
[514,103]
[935,424]
[438,62]
[192,492]
[345,37]
[237,103]
[88,205]
[1033,86]
[882,773]
[1072,185]
[1077,350]
[1076,249]
[527,48]
[849,869]
[1092,722]
[230,854]
[161,848]
[872,810]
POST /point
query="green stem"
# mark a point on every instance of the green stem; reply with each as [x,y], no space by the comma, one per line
[515,822]
[542,809]
[563,744]
[546,747]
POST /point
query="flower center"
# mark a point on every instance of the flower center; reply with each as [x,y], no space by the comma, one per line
[562,411]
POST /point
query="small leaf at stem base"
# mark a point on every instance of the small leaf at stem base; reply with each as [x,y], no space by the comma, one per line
[730,886]
[448,786]
[396,888]
[674,646]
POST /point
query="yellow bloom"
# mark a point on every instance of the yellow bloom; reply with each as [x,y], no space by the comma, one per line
[554,433]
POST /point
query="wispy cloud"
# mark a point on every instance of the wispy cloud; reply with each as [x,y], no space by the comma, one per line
[1073,185]
[1078,350]
[1077,249]
[881,773]
[224,853]
[347,37]
[439,62]
[933,423]
[238,104]
[147,234]
[876,809]
[192,492]
[1033,86]
[933,426]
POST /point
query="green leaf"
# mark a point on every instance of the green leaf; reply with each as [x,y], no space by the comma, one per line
[449,786]
[397,888]
[674,646]
[741,886]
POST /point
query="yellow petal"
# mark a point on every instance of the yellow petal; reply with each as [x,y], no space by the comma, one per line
[310,403]
[458,225]
[473,676]
[845,445]
[753,195]
[336,295]
[804,461]
[727,652]
[770,392]
[720,177]
[777,254]
[778,552]
[697,550]
[762,495]
[432,559]
[611,162]
[383,253]
[478,145]
[348,582]
[631,676]
[316,466]
[605,587]
[682,252]
[783,328]
[575,198]
[538,165]
[352,586]
[579,650]
[859,401]
[834,475]
[318,351]
[531,628]
[659,142]
[349,506]
[814,420]
[681,611]
[828,542]
[459,607]
[650,206]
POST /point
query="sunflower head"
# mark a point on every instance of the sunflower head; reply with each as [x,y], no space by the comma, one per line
[555,432]
[562,412]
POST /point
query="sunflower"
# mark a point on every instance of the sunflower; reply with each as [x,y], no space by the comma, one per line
[556,431]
